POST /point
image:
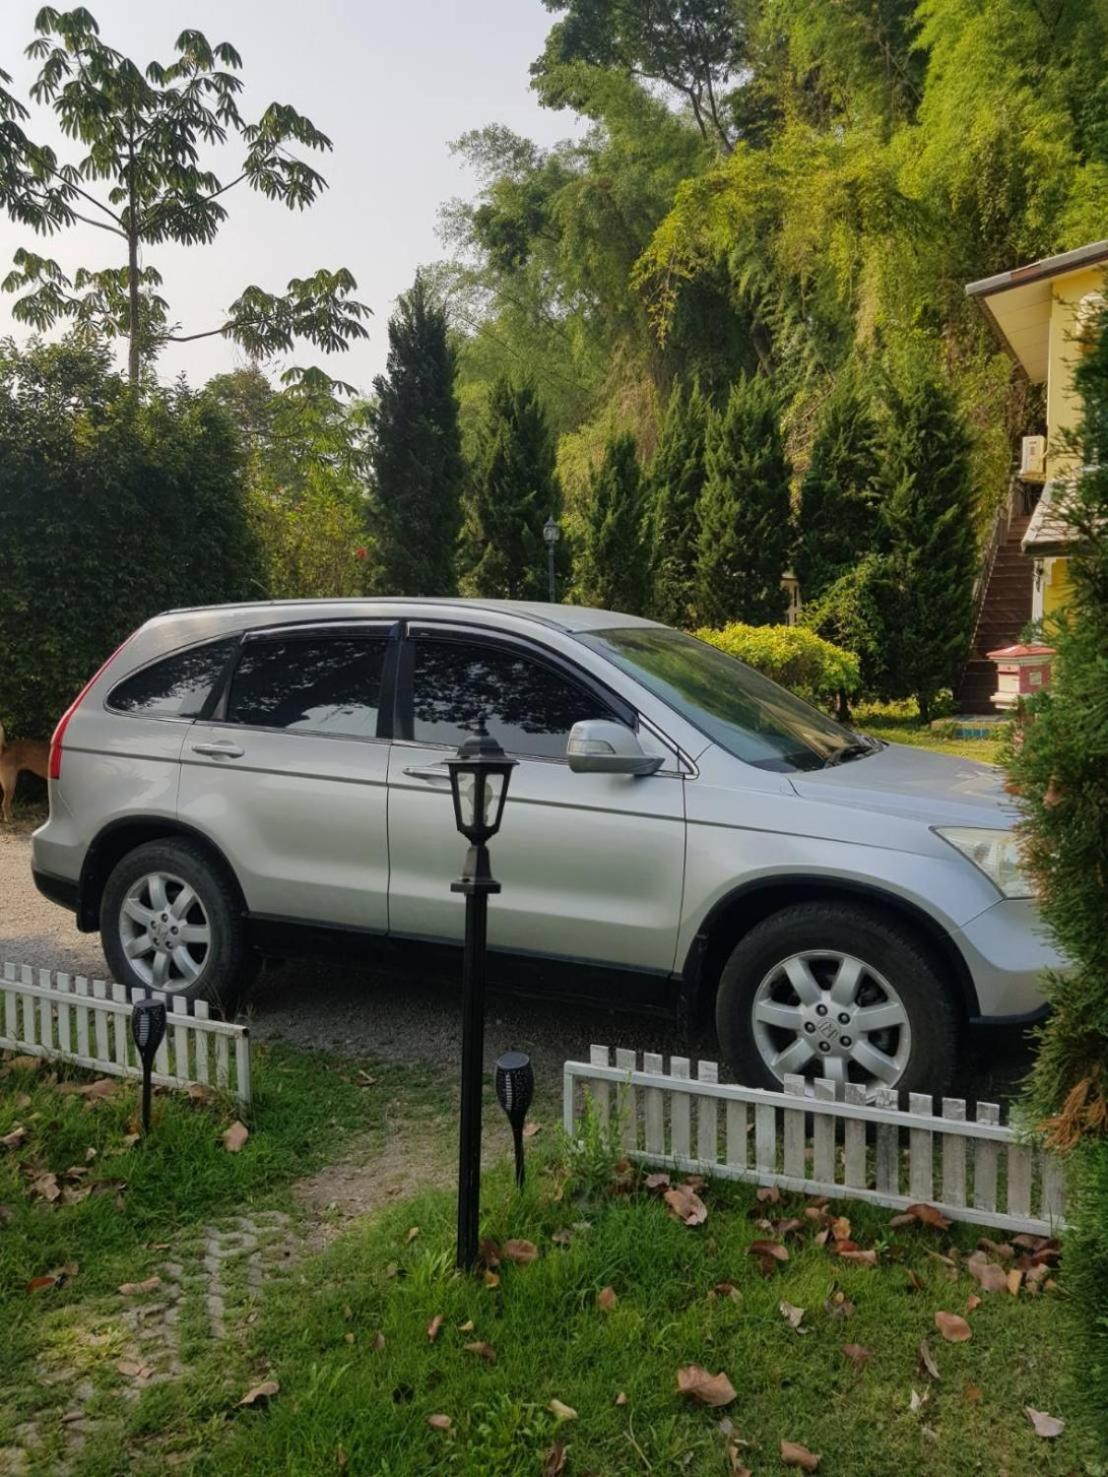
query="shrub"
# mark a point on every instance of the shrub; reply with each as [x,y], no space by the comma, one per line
[798,659]
[113,506]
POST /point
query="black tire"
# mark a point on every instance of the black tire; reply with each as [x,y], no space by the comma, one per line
[882,943]
[226,965]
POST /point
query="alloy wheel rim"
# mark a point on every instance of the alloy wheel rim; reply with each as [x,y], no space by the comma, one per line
[165,932]
[826,1014]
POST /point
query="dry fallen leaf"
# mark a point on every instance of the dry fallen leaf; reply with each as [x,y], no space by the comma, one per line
[857,1354]
[861,1258]
[467,1327]
[440,1422]
[519,1251]
[562,1411]
[235,1136]
[972,1302]
[1047,1426]
[260,1393]
[531,1128]
[917,1400]
[554,1462]
[840,1228]
[413,1232]
[772,1249]
[837,1304]
[686,1205]
[989,1276]
[658,1181]
[768,1195]
[974,1394]
[1014,1279]
[953,1327]
[792,1315]
[1003,1249]
[621,1398]
[606,1299]
[132,1370]
[129,1288]
[726,1290]
[927,1363]
[102,1087]
[927,1215]
[434,1326]
[709,1389]
[14,1139]
[46,1187]
[795,1455]
[379,1341]
[482,1350]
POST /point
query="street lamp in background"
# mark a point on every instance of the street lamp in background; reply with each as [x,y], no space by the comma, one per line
[479,775]
[551,533]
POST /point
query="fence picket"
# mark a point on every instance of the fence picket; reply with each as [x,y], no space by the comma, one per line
[200,1041]
[765,1138]
[30,1023]
[121,1028]
[181,1035]
[45,1013]
[626,1105]
[601,1094]
[707,1116]
[243,1085]
[100,1022]
[738,1123]
[921,1150]
[1019,1180]
[654,1107]
[887,1145]
[80,985]
[854,1140]
[161,1057]
[63,985]
[984,1161]
[680,1142]
[11,1006]
[1053,1187]
[954,1154]
[823,1134]
[793,1127]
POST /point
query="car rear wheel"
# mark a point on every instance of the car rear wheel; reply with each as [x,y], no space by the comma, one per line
[170,921]
[841,993]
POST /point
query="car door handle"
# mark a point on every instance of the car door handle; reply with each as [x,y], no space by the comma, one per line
[432,772]
[219,750]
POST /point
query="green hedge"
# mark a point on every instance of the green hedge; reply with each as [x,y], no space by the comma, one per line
[798,659]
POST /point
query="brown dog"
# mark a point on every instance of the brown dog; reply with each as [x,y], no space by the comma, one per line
[29,754]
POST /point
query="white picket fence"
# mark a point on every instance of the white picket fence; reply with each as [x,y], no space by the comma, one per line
[88,1022]
[971,1169]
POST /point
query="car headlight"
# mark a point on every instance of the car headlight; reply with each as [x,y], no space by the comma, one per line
[993,852]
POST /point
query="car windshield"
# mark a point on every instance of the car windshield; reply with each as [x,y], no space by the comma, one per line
[735,706]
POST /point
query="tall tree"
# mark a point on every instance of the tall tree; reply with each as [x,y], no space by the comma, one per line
[417,454]
[141,181]
[928,513]
[512,490]
[745,518]
[837,520]
[610,564]
[675,484]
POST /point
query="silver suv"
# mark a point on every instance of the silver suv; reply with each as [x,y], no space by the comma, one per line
[680,833]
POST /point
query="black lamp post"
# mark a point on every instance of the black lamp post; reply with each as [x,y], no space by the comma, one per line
[479,776]
[147,1032]
[551,533]
[515,1087]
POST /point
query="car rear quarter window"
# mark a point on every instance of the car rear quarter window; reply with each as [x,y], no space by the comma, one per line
[176,687]
[314,684]
[529,708]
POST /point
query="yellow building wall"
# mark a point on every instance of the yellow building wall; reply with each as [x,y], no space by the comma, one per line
[1063,406]
[1057,586]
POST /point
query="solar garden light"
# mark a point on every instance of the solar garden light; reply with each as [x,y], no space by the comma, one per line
[148,1033]
[479,775]
[551,533]
[515,1087]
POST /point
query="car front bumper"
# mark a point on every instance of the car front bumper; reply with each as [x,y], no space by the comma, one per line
[1007,949]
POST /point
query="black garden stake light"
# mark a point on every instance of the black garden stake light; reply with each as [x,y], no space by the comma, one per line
[515,1087]
[148,1033]
[479,776]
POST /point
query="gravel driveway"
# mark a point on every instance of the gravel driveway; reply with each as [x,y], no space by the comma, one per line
[359,1011]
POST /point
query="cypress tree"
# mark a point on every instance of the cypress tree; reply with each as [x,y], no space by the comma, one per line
[928,518]
[512,490]
[417,454]
[675,484]
[610,562]
[745,524]
[837,518]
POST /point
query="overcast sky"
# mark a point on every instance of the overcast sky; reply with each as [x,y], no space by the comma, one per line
[391,82]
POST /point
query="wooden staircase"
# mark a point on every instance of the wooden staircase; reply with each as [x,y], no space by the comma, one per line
[1002,615]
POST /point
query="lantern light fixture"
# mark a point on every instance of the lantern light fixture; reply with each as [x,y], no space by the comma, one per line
[148,1023]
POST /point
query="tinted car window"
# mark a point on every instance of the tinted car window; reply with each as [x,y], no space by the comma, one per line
[177,687]
[525,705]
[325,684]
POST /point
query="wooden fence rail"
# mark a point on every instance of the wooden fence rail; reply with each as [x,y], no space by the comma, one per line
[88,1022]
[811,1140]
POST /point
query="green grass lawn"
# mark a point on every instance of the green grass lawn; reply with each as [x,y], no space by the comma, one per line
[359,1377]
[898,723]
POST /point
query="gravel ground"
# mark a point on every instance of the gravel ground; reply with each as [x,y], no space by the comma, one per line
[351,1010]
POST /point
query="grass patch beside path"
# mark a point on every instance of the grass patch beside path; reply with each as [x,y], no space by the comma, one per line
[359,1376]
[134,1205]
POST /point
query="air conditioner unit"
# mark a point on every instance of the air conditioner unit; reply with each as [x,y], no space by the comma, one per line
[1033,459]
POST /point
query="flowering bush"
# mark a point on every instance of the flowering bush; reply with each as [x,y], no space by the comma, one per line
[798,659]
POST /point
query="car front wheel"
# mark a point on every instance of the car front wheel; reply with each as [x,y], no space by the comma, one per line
[170,921]
[837,992]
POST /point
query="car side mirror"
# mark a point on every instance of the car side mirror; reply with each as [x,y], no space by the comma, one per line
[597,746]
